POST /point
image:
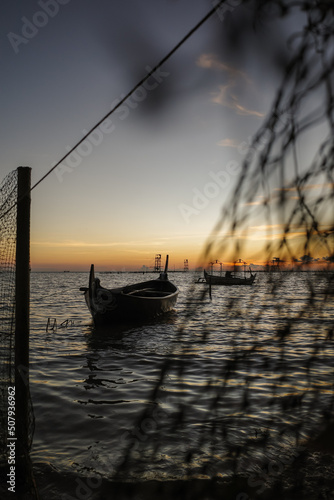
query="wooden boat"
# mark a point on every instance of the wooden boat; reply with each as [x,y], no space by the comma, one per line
[230,278]
[131,302]
[200,281]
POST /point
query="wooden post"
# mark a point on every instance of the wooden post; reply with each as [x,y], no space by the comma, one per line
[22,296]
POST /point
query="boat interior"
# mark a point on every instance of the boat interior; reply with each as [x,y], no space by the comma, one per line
[148,292]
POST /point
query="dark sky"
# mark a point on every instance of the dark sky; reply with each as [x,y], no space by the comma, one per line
[65,63]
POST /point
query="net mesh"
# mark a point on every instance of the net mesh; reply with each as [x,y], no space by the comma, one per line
[296,428]
[8,212]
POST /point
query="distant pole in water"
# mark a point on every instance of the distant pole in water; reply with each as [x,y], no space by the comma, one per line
[157,263]
[22,296]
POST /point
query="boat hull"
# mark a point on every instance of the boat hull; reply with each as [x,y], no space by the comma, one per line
[130,303]
[228,281]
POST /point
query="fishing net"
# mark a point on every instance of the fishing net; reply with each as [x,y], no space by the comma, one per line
[8,238]
[8,198]
[288,204]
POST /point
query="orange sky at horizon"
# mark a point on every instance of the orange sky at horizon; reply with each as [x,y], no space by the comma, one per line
[168,167]
[79,256]
[133,255]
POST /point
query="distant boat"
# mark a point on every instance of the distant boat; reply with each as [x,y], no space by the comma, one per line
[131,302]
[200,281]
[231,277]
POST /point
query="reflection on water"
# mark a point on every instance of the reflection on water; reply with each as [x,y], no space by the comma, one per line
[102,337]
[236,382]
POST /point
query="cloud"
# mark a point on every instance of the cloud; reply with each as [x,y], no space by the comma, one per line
[226,98]
[307,187]
[253,203]
[260,200]
[267,227]
[86,244]
[224,95]
[228,143]
[211,61]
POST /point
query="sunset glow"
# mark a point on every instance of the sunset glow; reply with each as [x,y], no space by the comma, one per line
[155,175]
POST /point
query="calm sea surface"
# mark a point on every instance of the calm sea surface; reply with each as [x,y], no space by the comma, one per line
[89,386]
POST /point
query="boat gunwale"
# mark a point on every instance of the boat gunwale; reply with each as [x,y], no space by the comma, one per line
[229,280]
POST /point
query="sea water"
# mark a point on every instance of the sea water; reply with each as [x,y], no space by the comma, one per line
[90,386]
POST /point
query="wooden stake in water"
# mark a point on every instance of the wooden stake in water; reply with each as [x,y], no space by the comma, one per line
[22,296]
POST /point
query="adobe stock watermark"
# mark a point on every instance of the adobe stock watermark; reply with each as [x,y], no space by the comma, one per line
[96,137]
[201,197]
[226,7]
[31,27]
[275,469]
[84,489]
[220,180]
